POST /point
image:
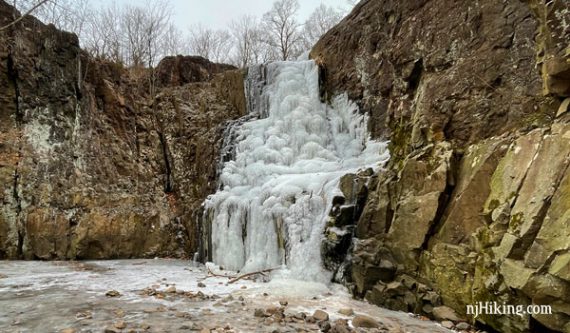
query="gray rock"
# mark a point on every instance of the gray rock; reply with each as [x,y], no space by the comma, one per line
[365,322]
[320,315]
[442,313]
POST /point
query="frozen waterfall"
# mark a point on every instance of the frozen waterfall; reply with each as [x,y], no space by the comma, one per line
[286,161]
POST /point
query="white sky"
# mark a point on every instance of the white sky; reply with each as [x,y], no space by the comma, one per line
[218,13]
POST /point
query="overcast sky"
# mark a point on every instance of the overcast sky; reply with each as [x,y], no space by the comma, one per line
[218,13]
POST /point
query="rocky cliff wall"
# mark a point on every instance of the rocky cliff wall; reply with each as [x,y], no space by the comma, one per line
[90,165]
[474,204]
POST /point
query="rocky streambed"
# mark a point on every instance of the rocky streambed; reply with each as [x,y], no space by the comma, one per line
[176,296]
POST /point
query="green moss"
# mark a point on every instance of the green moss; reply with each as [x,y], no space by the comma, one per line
[516,221]
[399,145]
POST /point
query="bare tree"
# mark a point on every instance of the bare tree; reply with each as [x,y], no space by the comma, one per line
[319,22]
[201,41]
[134,33]
[244,31]
[68,15]
[103,36]
[26,6]
[223,46]
[282,28]
[172,43]
[143,31]
[214,45]
[261,52]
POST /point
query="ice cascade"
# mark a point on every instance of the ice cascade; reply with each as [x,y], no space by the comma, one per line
[286,160]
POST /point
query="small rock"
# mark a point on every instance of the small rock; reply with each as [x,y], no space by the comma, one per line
[110,330]
[120,325]
[320,315]
[83,315]
[201,285]
[68,330]
[144,326]
[365,322]
[442,313]
[259,313]
[274,310]
[243,287]
[325,326]
[283,303]
[346,312]
[183,315]
[171,290]
[341,326]
[463,326]
[112,293]
[195,327]
[205,330]
[447,324]
[300,316]
[120,313]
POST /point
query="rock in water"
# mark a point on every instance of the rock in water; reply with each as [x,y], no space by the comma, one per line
[320,315]
[365,322]
[463,326]
[346,312]
[120,325]
[442,313]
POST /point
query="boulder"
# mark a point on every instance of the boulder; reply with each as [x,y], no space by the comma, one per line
[365,322]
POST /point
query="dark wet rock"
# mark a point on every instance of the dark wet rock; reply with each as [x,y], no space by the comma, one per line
[113,293]
[259,313]
[324,326]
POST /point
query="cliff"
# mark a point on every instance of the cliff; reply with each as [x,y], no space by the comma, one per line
[475,202]
[91,165]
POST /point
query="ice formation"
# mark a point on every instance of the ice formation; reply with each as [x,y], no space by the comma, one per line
[281,171]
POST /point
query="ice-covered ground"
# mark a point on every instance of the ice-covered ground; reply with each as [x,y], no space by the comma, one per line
[55,296]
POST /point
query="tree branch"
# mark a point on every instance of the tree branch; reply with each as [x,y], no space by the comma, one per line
[36,6]
[262,272]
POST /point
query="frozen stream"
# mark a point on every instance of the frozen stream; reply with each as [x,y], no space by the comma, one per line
[71,297]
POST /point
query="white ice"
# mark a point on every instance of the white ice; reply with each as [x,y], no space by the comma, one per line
[277,191]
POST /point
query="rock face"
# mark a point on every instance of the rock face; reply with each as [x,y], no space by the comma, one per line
[90,165]
[475,202]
